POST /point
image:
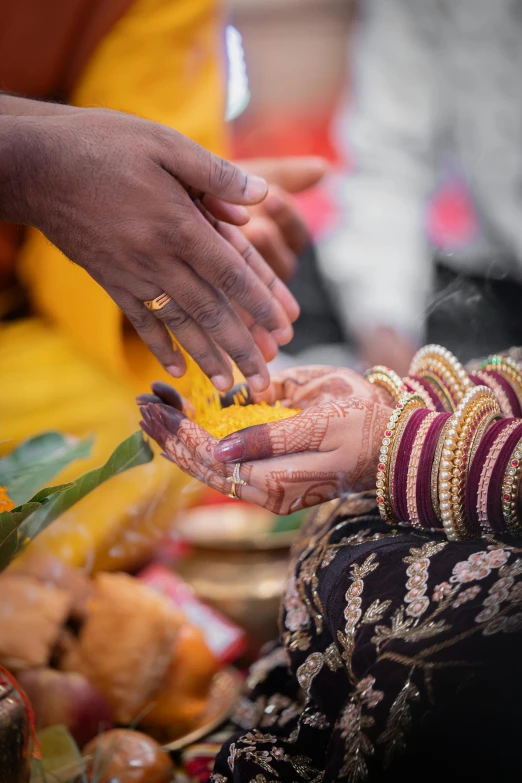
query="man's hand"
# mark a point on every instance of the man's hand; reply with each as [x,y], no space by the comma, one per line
[138,206]
[276,228]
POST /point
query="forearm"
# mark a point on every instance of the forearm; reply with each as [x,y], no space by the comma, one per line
[10,143]
[16,106]
[23,188]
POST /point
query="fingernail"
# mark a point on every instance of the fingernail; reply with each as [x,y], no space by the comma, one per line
[146,429]
[220,382]
[256,188]
[165,393]
[143,399]
[283,336]
[229,450]
[171,417]
[146,414]
[257,383]
[175,371]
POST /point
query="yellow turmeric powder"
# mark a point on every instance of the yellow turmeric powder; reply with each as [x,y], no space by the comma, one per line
[220,422]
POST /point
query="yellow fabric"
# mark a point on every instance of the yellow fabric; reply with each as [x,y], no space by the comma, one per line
[162,61]
[78,370]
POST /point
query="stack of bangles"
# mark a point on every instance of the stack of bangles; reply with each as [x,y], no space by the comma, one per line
[451,455]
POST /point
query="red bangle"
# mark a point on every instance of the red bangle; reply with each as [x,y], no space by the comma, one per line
[427,516]
[413,469]
[400,478]
[508,390]
[421,386]
[494,502]
[482,378]
[475,471]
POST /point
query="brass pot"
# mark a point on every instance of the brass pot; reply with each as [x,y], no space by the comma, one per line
[14,765]
[244,585]
[237,566]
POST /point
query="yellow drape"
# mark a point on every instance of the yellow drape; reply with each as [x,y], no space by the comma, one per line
[73,368]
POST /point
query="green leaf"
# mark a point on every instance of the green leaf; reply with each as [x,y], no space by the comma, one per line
[36,461]
[288,523]
[61,757]
[47,492]
[10,522]
[132,452]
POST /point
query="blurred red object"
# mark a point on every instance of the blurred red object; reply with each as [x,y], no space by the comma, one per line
[226,640]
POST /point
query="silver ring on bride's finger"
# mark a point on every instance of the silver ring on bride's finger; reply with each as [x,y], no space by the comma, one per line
[236,475]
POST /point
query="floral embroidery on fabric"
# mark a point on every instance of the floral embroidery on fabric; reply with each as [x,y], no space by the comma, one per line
[332,657]
[309,669]
[296,614]
[479,565]
[260,670]
[442,591]
[405,619]
[465,596]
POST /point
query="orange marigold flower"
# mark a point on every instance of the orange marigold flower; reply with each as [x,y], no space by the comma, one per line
[6,504]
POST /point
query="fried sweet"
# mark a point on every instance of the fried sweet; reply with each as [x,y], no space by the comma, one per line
[125,645]
[31,619]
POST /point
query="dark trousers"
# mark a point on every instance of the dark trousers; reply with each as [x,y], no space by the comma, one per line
[474,316]
[470,315]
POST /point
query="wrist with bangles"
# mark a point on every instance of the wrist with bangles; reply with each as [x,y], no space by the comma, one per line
[451,454]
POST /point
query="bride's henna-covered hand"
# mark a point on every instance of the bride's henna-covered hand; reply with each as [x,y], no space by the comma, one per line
[300,387]
[287,465]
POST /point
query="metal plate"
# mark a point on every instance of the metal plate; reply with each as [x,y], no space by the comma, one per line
[224,694]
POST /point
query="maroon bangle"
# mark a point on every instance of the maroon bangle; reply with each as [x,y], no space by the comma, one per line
[427,516]
[426,386]
[510,392]
[400,478]
[476,469]
[495,515]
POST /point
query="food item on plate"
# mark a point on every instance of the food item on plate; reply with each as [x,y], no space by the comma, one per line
[31,617]
[49,570]
[184,693]
[125,756]
[125,646]
[66,698]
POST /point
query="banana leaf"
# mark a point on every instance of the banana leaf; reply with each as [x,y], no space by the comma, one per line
[19,526]
[37,461]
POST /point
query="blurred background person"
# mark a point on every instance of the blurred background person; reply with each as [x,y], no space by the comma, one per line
[430,242]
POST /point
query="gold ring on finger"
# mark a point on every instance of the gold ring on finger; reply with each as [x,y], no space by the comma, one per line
[233,493]
[158,303]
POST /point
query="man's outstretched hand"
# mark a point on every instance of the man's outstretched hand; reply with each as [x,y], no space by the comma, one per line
[140,207]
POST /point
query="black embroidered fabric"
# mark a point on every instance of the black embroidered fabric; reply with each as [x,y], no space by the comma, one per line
[400,658]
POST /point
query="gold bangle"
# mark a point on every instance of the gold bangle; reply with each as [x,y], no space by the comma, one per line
[387,378]
[498,391]
[434,360]
[407,402]
[435,470]
[507,367]
[413,385]
[510,488]
[476,406]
